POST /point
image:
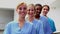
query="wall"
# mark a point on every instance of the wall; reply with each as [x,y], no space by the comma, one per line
[6,15]
[55,15]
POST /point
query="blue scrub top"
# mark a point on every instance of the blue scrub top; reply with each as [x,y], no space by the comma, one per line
[47,28]
[38,25]
[52,25]
[13,28]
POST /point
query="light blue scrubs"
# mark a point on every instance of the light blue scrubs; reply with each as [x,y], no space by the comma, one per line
[52,25]
[13,28]
[47,28]
[38,25]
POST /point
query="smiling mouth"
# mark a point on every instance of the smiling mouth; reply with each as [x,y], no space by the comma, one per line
[23,13]
[31,14]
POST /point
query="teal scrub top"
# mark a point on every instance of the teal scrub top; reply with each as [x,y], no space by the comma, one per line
[52,25]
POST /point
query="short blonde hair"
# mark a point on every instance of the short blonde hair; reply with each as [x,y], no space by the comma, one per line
[21,4]
[31,5]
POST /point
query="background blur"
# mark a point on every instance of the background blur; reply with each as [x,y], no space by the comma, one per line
[8,13]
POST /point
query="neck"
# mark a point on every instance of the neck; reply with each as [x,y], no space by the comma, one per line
[31,19]
[44,15]
[37,16]
[21,21]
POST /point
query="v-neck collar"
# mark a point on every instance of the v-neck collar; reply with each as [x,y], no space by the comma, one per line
[20,29]
[32,21]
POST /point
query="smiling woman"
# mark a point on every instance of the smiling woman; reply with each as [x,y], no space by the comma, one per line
[54,4]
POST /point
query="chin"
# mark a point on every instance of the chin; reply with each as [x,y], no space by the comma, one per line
[23,17]
[30,16]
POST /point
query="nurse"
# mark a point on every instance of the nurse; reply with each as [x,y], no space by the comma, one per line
[21,26]
[47,28]
[45,11]
[37,24]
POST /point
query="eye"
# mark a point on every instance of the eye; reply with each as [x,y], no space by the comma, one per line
[28,9]
[37,9]
[44,9]
[20,8]
[32,10]
[24,8]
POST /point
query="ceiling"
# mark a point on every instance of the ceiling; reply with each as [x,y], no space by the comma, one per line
[13,3]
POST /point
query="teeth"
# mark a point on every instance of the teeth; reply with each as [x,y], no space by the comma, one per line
[22,13]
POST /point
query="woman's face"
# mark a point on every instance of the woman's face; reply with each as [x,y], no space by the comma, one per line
[37,10]
[22,10]
[30,11]
[45,10]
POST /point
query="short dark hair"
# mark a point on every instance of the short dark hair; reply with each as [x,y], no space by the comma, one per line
[47,7]
[38,5]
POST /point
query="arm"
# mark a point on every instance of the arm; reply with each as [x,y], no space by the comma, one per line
[33,31]
[48,28]
[53,26]
[41,30]
[7,29]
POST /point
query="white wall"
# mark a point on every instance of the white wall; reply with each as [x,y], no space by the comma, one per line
[55,15]
[13,3]
[6,15]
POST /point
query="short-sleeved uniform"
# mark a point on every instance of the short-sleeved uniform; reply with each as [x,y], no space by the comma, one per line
[13,28]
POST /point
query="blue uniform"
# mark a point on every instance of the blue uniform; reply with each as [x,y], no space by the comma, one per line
[52,25]
[47,28]
[38,26]
[13,28]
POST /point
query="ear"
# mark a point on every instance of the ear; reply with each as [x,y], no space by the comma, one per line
[17,10]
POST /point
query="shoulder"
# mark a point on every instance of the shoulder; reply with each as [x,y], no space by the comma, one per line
[39,22]
[43,17]
[11,23]
[50,18]
[26,18]
[28,23]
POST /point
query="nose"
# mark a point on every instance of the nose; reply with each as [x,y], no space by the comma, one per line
[45,10]
[30,11]
[22,10]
